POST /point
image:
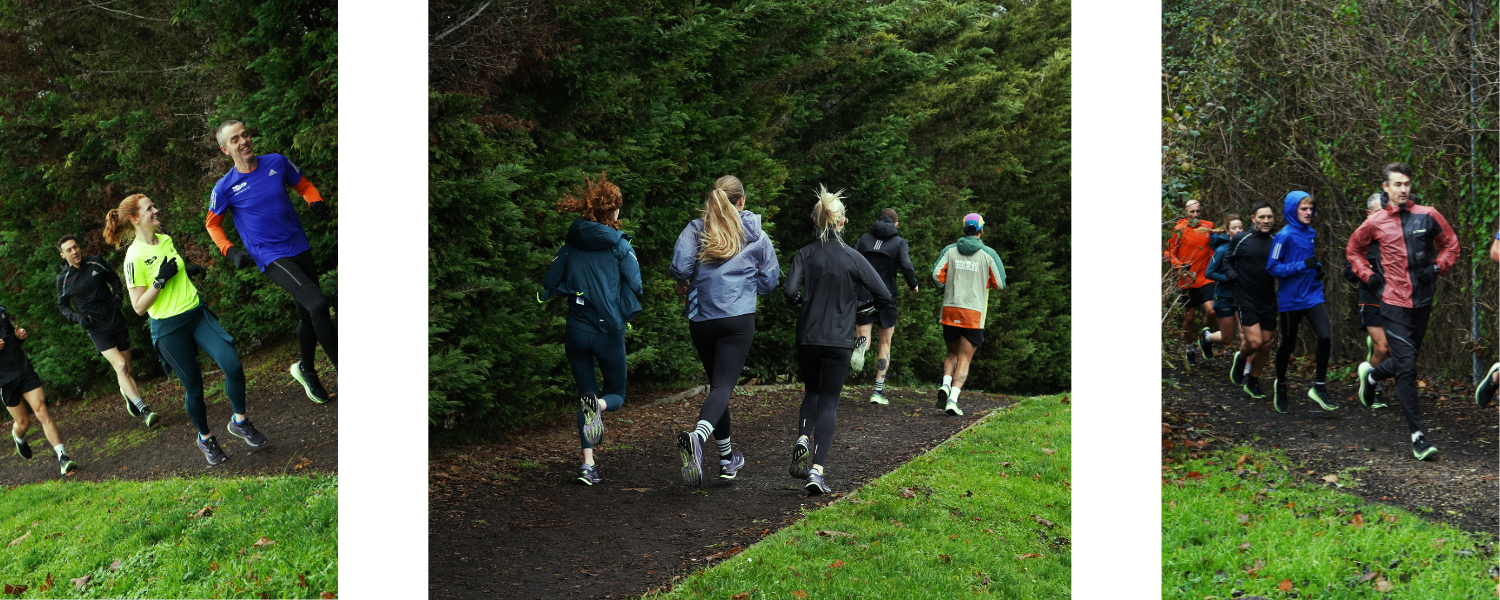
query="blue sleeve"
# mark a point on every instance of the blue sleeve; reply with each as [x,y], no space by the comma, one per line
[767,267]
[1279,264]
[216,199]
[290,174]
[555,273]
[1216,265]
[685,255]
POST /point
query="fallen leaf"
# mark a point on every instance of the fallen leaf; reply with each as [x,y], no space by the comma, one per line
[1241,461]
[1259,564]
[1383,586]
[1244,519]
[14,590]
[800,594]
[114,566]
[1049,451]
[263,542]
[1331,478]
[1358,520]
[1245,547]
[832,533]
[1041,520]
[81,582]
[1028,555]
[206,511]
[727,553]
[302,581]
[989,531]
[636,489]
[214,566]
[945,558]
[327,596]
[741,595]
[836,564]
[1285,586]
[20,539]
[908,493]
[1368,576]
[1194,475]
[47,585]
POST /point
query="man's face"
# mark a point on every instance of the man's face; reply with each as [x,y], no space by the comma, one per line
[1305,211]
[1264,218]
[1236,226]
[237,143]
[71,253]
[1192,211]
[1397,187]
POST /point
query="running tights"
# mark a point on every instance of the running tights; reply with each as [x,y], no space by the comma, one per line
[823,369]
[1404,330]
[298,275]
[723,344]
[1318,318]
[583,348]
[180,350]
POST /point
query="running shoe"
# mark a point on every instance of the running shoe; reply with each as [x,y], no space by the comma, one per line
[1421,449]
[66,465]
[1252,387]
[310,383]
[1237,370]
[1205,345]
[212,451]
[729,468]
[1319,394]
[245,431]
[857,359]
[22,448]
[130,408]
[877,398]
[691,449]
[150,417]
[942,396]
[1192,357]
[800,453]
[1369,348]
[593,422]
[1366,385]
[1485,392]
[1280,396]
[815,485]
[588,474]
[953,409]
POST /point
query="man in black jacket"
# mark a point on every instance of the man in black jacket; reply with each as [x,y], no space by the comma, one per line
[1255,293]
[886,251]
[21,387]
[95,293]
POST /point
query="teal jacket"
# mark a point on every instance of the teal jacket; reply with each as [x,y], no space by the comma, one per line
[597,271]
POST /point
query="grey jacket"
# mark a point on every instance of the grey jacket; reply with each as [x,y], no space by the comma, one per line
[728,288]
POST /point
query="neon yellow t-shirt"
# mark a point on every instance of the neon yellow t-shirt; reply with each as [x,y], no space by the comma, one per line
[142,263]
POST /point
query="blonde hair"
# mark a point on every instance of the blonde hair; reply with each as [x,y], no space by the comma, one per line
[117,225]
[828,213]
[723,234]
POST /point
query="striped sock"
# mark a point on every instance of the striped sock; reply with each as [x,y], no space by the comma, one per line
[703,430]
[724,449]
[879,385]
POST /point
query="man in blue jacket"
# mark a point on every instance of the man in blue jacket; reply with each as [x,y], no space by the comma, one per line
[1299,296]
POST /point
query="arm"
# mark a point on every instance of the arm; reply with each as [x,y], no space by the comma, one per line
[1215,269]
[1173,245]
[871,280]
[1495,249]
[1447,244]
[141,298]
[554,277]
[940,268]
[997,270]
[116,287]
[792,283]
[309,193]
[1355,251]
[685,255]
[630,270]
[1277,265]
[768,269]
[907,270]
[62,304]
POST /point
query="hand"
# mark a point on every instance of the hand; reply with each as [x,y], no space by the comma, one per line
[1427,275]
[168,270]
[240,258]
[1318,274]
[195,271]
[20,333]
[1310,263]
[681,288]
[1376,280]
[320,208]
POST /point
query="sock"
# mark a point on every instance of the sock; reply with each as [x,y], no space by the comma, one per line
[703,430]
[59,450]
[724,449]
[879,385]
[953,394]
[816,469]
[1416,435]
[802,439]
[237,420]
[947,380]
[17,437]
[204,438]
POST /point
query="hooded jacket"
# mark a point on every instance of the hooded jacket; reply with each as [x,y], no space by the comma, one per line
[1298,286]
[886,252]
[1216,267]
[95,293]
[832,273]
[597,271]
[728,288]
[1189,248]
[13,360]
[966,271]
[1413,239]
[1254,287]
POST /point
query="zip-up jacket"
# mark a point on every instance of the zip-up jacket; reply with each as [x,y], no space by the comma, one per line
[1412,239]
[1224,288]
[1254,287]
[966,271]
[832,275]
[13,360]
[727,288]
[1298,286]
[597,272]
[1189,248]
[95,293]
[887,252]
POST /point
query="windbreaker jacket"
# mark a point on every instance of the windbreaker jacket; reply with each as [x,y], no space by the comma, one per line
[728,288]
[1254,287]
[966,271]
[1298,287]
[832,275]
[1224,288]
[1189,248]
[1412,238]
[95,293]
[13,360]
[597,272]
[887,252]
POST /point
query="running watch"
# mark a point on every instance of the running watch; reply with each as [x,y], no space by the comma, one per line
[168,270]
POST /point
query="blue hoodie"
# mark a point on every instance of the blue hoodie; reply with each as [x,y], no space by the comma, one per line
[1216,271]
[728,288]
[596,269]
[1297,285]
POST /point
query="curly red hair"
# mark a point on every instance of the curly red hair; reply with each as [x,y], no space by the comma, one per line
[596,201]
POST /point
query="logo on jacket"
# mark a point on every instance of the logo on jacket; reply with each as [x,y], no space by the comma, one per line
[273,172]
[967,265]
[151,260]
[239,187]
[877,244]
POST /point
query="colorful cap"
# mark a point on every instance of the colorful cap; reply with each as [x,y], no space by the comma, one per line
[973,223]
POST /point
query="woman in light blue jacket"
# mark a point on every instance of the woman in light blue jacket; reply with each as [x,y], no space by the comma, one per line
[722,261]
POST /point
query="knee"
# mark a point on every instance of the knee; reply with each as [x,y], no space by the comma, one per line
[23,422]
[312,299]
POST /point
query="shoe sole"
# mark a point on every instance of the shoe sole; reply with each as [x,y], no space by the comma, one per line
[799,462]
[585,480]
[1363,382]
[692,459]
[880,402]
[151,419]
[954,412]
[1205,345]
[814,489]
[1235,366]
[942,398]
[131,410]
[1326,406]
[1431,450]
[24,450]
[1278,400]
[1484,399]
[1246,388]
[296,374]
[69,467]
[593,422]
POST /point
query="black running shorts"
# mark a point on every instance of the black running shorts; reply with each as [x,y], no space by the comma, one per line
[1224,308]
[885,317]
[951,335]
[11,393]
[1369,316]
[1251,317]
[1197,296]
[105,340]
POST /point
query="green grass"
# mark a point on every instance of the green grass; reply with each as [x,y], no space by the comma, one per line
[126,439]
[65,530]
[969,530]
[1219,526]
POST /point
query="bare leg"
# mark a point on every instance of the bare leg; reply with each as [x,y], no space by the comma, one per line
[1382,351]
[965,354]
[884,358]
[1225,334]
[1264,353]
[863,331]
[38,403]
[20,421]
[121,362]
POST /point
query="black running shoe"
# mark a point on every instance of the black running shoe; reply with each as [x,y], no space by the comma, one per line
[212,451]
[135,413]
[588,475]
[1252,387]
[66,465]
[1280,396]
[150,418]
[1319,394]
[1192,357]
[1421,449]
[1484,394]
[22,448]
[1205,345]
[245,431]
[1237,370]
[310,383]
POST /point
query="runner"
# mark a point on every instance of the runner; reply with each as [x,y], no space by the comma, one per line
[19,381]
[597,271]
[966,294]
[1189,252]
[1224,306]
[1376,349]
[1299,295]
[1484,393]
[1255,297]
[95,293]
[886,251]
[255,192]
[832,274]
[180,323]
[1416,245]
[722,261]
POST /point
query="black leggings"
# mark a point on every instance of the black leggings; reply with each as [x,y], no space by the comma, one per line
[1404,330]
[1316,316]
[822,370]
[723,344]
[298,275]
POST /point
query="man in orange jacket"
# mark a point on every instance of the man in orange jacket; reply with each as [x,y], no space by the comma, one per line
[1189,253]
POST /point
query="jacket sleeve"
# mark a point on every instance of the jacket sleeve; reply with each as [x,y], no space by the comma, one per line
[555,274]
[906,267]
[309,193]
[630,270]
[1173,244]
[871,280]
[940,268]
[791,284]
[685,255]
[1277,264]
[62,304]
[1355,250]
[1447,244]
[1216,265]
[767,268]
[215,224]
[997,270]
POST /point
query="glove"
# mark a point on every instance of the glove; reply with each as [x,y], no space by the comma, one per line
[1376,280]
[240,258]
[1349,274]
[1427,275]
[168,270]
[320,208]
[795,300]
[1318,275]
[1310,263]
[195,271]
[866,309]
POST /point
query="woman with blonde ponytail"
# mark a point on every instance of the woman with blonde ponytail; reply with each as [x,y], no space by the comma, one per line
[722,261]
[832,274]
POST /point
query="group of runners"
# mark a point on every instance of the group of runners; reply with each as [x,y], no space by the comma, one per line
[1244,278]
[157,282]
[722,262]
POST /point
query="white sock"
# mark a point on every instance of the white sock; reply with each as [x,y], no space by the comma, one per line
[1415,435]
[17,437]
[953,394]
[139,403]
[802,439]
[724,448]
[816,469]
[59,450]
[703,430]
[947,380]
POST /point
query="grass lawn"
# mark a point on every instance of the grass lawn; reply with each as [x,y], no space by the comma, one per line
[176,538]
[986,514]
[1235,526]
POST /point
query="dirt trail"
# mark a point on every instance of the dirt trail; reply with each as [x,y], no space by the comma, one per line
[507,519]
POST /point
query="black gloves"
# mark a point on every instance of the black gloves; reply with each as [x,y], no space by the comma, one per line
[1349,274]
[1427,275]
[240,258]
[1376,280]
[320,208]
[1319,271]
[795,300]
[195,271]
[168,270]
[1310,262]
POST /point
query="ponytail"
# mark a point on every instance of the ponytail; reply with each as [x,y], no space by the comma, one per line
[117,225]
[828,213]
[723,234]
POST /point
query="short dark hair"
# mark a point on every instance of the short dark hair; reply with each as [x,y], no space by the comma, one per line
[889,214]
[64,239]
[1395,167]
[1260,205]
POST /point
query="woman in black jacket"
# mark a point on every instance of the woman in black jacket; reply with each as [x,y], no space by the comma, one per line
[824,281]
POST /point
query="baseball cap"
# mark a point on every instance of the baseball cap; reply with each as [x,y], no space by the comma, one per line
[973,223]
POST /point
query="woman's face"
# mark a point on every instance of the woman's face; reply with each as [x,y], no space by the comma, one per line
[147,214]
[1236,226]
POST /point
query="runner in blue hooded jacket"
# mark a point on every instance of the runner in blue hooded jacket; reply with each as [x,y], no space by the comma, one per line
[596,270]
[1299,295]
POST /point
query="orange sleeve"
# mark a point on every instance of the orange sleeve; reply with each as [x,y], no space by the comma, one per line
[943,275]
[216,231]
[1172,246]
[307,191]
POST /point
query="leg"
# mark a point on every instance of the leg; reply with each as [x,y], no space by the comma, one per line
[38,403]
[1225,334]
[1289,322]
[181,352]
[951,361]
[20,421]
[609,350]
[212,342]
[298,275]
[1263,351]
[1208,315]
[810,371]
[835,364]
[1382,349]
[1400,331]
[961,369]
[578,346]
[1317,316]
[120,360]
[723,345]
[883,361]
[863,331]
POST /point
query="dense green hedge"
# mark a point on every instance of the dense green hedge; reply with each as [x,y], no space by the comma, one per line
[99,102]
[934,109]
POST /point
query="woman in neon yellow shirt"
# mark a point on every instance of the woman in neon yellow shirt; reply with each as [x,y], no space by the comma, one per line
[180,324]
